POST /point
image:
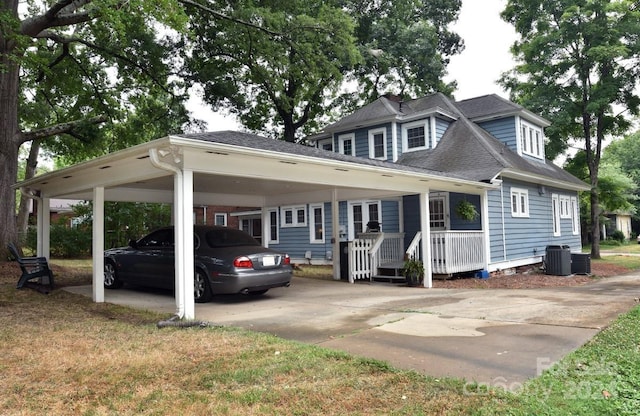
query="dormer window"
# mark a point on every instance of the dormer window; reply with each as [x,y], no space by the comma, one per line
[531,140]
[415,135]
[378,144]
[347,144]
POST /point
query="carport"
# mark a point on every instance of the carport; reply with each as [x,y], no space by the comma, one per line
[231,168]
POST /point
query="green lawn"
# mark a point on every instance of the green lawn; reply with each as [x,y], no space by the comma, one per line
[63,354]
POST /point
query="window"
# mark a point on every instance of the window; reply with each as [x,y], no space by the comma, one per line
[273,226]
[347,144]
[437,212]
[378,144]
[294,216]
[565,207]
[575,216]
[316,230]
[220,219]
[414,136]
[555,208]
[519,202]
[531,140]
[326,144]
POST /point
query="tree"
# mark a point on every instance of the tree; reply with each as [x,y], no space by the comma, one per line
[68,66]
[278,73]
[578,65]
[287,75]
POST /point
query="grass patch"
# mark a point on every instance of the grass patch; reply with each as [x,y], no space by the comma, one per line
[63,354]
[628,262]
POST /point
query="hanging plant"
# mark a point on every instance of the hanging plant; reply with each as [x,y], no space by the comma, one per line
[466,210]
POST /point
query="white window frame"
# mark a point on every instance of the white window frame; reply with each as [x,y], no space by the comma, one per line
[519,211]
[405,138]
[272,215]
[575,216]
[565,206]
[312,224]
[555,212]
[222,215]
[365,214]
[345,137]
[531,140]
[295,222]
[372,149]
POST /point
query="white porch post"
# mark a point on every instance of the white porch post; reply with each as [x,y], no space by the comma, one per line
[98,244]
[43,248]
[335,239]
[266,226]
[183,203]
[484,207]
[426,238]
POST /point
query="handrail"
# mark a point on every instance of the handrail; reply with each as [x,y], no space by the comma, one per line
[413,247]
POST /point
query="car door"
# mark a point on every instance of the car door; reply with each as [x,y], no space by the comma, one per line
[152,261]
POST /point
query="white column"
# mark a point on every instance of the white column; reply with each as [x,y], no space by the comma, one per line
[266,226]
[484,208]
[184,252]
[335,234]
[98,244]
[426,238]
[43,248]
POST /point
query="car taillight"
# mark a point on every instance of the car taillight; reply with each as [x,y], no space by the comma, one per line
[243,262]
[286,260]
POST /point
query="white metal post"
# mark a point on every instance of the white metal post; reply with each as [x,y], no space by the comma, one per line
[184,251]
[43,228]
[98,244]
[335,239]
[426,238]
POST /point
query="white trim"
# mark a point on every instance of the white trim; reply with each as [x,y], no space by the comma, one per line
[312,224]
[432,134]
[555,215]
[372,134]
[519,211]
[508,264]
[565,206]
[575,216]
[394,141]
[405,140]
[345,137]
[532,144]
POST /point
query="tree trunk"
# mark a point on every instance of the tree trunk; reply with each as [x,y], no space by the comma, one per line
[29,172]
[9,146]
[595,224]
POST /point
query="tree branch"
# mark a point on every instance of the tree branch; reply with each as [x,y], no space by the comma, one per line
[59,129]
[51,18]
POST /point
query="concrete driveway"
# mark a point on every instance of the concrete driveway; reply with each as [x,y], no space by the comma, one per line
[494,337]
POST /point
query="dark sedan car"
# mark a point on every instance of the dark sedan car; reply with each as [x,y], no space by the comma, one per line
[226,261]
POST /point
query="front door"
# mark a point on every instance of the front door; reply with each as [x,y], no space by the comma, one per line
[438,212]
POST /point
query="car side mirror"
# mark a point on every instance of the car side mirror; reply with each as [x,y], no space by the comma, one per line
[133,243]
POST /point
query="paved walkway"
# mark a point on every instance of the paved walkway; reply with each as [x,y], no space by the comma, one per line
[496,337]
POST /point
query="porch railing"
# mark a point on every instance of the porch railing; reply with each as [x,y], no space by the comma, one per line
[370,250]
[457,251]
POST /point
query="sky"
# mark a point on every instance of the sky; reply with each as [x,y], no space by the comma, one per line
[487,41]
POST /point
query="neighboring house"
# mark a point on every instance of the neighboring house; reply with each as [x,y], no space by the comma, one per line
[533,203]
[616,221]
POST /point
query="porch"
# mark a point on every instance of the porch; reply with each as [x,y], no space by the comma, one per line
[381,255]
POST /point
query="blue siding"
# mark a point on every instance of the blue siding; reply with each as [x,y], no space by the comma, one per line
[504,130]
[390,216]
[527,237]
[441,127]
[411,213]
[458,223]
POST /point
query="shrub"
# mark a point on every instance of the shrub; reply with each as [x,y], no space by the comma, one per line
[617,235]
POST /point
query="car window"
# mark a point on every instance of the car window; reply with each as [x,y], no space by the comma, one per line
[159,238]
[229,238]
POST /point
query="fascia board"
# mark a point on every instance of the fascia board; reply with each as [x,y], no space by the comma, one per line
[543,180]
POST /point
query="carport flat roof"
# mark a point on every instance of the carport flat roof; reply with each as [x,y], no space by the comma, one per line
[240,169]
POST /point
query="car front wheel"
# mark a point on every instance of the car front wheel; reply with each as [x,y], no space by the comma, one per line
[201,289]
[111,280]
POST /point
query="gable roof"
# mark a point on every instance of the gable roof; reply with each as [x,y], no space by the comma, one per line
[493,106]
[470,151]
[385,109]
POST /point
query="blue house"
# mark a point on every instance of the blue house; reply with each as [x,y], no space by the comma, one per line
[530,203]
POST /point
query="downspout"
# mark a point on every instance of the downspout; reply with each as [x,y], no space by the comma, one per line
[156,162]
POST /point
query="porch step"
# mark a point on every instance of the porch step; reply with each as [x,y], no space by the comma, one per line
[390,272]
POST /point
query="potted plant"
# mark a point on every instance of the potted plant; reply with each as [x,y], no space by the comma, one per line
[466,210]
[413,271]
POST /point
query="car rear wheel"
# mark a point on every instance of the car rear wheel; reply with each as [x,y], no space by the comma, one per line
[111,280]
[201,288]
